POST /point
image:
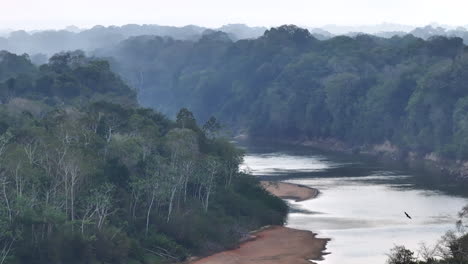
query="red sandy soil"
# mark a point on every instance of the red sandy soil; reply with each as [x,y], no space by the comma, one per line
[276,244]
[290,191]
[273,245]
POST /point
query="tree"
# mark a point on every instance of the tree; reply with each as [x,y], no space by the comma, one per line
[212,127]
[362,90]
[212,166]
[6,240]
[152,186]
[401,255]
[184,148]
[126,177]
[185,119]
[103,202]
[6,235]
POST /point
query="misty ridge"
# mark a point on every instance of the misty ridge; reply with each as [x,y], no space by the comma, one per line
[49,42]
[127,130]
[41,44]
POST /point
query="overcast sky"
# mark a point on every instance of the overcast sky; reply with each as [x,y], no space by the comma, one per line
[40,14]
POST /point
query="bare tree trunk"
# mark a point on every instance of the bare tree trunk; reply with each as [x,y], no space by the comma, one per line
[188,168]
[88,215]
[65,180]
[133,205]
[213,169]
[171,200]
[30,150]
[74,173]
[207,199]
[18,181]
[185,189]
[6,251]
[7,201]
[109,135]
[148,213]
[208,191]
[200,187]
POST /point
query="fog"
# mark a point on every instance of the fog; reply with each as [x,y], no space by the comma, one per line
[55,14]
[41,44]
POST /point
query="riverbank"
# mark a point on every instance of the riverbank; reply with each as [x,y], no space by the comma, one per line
[276,244]
[387,153]
[291,191]
[273,245]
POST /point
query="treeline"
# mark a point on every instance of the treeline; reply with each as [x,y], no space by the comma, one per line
[86,176]
[68,78]
[287,84]
[43,44]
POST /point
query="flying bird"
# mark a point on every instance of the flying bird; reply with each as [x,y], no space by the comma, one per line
[407,215]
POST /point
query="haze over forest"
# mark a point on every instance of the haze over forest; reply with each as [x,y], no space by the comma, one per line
[41,44]
[117,118]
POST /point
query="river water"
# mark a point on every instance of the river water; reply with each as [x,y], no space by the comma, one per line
[361,203]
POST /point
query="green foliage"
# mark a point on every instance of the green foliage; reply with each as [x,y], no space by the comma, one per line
[212,127]
[362,90]
[185,119]
[69,78]
[90,181]
[12,65]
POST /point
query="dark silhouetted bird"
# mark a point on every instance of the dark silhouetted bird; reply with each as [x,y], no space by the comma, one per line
[407,215]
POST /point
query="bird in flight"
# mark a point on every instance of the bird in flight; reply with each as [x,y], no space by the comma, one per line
[407,215]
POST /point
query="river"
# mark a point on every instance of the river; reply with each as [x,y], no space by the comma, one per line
[361,203]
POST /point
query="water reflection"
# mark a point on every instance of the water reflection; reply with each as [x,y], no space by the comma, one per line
[281,163]
[361,204]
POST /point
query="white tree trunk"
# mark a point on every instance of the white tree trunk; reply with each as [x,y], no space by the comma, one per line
[148,213]
[171,201]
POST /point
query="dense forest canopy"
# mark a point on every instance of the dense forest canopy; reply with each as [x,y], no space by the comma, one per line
[42,44]
[67,77]
[288,84]
[87,176]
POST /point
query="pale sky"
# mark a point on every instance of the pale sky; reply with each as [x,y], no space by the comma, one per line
[42,14]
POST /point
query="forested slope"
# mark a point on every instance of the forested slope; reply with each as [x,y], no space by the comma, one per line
[287,84]
[86,176]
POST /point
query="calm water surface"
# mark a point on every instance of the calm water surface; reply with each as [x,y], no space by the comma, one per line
[361,203]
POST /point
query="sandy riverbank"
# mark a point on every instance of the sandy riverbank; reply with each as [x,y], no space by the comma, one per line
[276,244]
[273,245]
[290,191]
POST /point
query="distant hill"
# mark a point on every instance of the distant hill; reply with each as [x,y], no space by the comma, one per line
[241,31]
[43,43]
[367,29]
[49,42]
[431,31]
